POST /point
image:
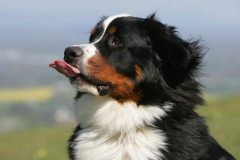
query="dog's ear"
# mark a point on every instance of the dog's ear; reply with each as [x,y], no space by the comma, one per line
[179,59]
[177,50]
[167,43]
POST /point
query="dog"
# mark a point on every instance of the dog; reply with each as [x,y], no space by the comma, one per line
[137,90]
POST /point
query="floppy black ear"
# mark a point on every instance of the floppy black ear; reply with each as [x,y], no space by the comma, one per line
[177,50]
[179,59]
[168,44]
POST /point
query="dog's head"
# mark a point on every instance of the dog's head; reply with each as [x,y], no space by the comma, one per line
[135,59]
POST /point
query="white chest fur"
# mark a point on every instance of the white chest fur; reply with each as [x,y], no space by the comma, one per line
[114,131]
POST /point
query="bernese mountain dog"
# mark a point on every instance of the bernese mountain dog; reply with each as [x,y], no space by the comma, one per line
[137,90]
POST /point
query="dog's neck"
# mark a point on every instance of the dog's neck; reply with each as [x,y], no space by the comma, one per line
[124,131]
[107,114]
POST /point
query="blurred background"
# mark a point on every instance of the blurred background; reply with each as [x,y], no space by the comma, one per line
[36,102]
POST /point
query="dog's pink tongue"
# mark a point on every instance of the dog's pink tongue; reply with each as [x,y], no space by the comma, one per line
[64,68]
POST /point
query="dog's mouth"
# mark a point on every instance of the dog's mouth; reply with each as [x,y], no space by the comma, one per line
[76,76]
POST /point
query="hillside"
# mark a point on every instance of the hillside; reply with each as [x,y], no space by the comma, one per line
[48,143]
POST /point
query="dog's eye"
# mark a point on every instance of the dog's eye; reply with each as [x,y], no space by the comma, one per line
[114,42]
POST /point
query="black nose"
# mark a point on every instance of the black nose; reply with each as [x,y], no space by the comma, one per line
[72,52]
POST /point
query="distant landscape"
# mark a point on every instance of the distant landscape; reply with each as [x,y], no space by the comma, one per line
[33,94]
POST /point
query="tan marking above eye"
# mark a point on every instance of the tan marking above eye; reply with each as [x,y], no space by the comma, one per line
[93,31]
[112,30]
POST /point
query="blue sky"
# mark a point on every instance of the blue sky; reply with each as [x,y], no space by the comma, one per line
[214,12]
[193,18]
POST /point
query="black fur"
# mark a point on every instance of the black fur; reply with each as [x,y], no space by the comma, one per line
[170,66]
[72,142]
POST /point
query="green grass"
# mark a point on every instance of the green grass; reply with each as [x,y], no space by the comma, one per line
[50,143]
[26,94]
[222,116]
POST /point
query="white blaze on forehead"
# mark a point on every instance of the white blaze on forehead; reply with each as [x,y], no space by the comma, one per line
[106,23]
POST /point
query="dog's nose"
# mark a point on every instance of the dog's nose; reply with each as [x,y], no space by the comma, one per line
[72,52]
